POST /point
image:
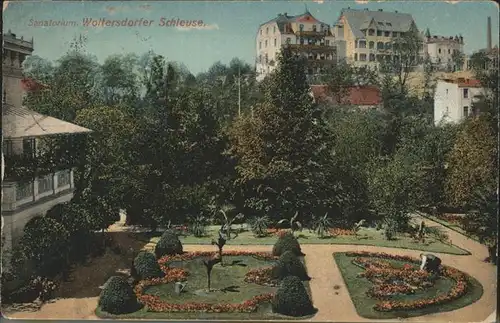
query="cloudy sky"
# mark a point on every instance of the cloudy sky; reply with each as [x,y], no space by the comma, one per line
[229,28]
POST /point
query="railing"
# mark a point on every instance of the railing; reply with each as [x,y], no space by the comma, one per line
[313,47]
[312,33]
[17,194]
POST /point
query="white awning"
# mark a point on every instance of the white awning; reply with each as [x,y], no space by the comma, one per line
[22,123]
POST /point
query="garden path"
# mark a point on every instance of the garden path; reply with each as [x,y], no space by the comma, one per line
[325,275]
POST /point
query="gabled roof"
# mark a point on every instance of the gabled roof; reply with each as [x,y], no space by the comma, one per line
[356,95]
[22,123]
[283,18]
[387,21]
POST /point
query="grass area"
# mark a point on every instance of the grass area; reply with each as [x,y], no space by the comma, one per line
[451,226]
[357,288]
[223,277]
[366,236]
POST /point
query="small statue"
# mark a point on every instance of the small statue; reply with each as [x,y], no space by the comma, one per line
[430,263]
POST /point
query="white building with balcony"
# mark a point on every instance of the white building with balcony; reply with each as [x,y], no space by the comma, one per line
[454,99]
[23,132]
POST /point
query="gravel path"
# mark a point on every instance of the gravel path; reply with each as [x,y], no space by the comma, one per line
[325,275]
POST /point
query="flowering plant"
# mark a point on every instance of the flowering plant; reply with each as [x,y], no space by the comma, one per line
[341,232]
[261,276]
[154,303]
[410,278]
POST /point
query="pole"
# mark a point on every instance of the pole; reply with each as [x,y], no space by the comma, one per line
[239,93]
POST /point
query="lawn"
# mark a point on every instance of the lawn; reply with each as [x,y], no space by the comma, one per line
[228,285]
[366,236]
[452,226]
[358,286]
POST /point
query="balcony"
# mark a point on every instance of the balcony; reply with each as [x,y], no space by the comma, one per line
[21,195]
[313,48]
[312,33]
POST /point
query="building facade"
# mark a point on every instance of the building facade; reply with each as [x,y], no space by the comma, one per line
[304,34]
[454,99]
[23,133]
[369,36]
[442,51]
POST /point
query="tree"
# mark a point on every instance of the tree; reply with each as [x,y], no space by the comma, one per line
[120,78]
[284,146]
[472,163]
[458,59]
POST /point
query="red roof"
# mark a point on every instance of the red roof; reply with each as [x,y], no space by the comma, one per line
[357,95]
[30,85]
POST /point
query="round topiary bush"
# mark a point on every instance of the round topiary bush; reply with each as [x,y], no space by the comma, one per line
[289,265]
[169,244]
[146,266]
[292,299]
[118,297]
[287,242]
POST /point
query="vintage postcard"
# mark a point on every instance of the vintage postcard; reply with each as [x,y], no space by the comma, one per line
[325,161]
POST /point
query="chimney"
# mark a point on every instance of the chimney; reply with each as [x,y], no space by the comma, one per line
[380,10]
[488,45]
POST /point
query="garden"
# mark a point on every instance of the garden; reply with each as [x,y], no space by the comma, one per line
[213,285]
[384,286]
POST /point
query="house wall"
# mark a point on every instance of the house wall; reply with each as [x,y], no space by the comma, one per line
[449,102]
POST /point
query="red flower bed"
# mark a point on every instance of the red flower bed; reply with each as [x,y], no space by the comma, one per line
[278,232]
[154,303]
[261,276]
[341,232]
[407,272]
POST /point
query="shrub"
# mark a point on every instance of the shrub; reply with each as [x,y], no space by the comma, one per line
[292,299]
[169,244]
[259,225]
[198,226]
[287,242]
[146,266]
[118,297]
[289,265]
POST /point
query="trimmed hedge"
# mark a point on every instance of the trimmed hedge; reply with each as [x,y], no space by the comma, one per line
[169,244]
[146,266]
[292,299]
[287,242]
[289,265]
[118,297]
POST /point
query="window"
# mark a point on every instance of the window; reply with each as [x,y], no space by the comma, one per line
[260,45]
[362,44]
[371,32]
[449,51]
[275,42]
[380,45]
[265,44]
[314,27]
[355,56]
[387,34]
[372,57]
[29,147]
[474,111]
[45,184]
[466,93]
[371,45]
[301,27]
[267,59]
[380,23]
[63,178]
[327,42]
[274,30]
[466,112]
[439,50]
[261,32]
[267,30]
[8,150]
[394,34]
[379,32]
[288,40]
[388,46]
[362,57]
[301,41]
[355,44]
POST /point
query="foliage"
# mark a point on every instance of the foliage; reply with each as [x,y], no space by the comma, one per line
[292,299]
[472,162]
[322,225]
[44,242]
[169,244]
[198,226]
[357,226]
[228,221]
[118,297]
[289,264]
[259,225]
[287,242]
[146,266]
[294,224]
[436,232]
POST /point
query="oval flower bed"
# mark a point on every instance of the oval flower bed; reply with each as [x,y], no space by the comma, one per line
[154,303]
[261,276]
[374,271]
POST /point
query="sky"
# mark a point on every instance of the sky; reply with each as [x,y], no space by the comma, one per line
[228,29]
